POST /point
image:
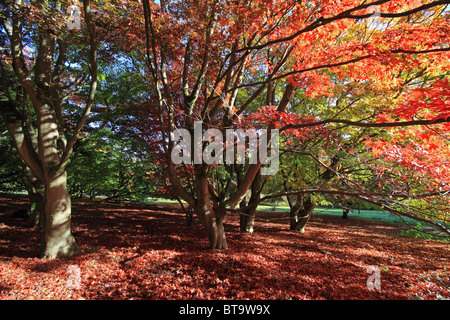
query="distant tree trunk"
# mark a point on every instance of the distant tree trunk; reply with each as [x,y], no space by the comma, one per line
[37,209]
[346,208]
[301,211]
[345,212]
[189,212]
[190,216]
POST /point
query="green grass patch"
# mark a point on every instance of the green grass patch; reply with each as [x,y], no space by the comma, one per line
[417,230]
[377,215]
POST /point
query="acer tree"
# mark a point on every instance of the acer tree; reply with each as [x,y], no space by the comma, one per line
[47,64]
[396,168]
[232,64]
[417,157]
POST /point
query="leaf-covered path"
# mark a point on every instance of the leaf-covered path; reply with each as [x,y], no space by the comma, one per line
[138,252]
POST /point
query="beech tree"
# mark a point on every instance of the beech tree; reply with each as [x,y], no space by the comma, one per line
[231,64]
[36,49]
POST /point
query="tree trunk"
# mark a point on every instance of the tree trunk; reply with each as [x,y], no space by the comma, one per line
[247,219]
[37,209]
[189,216]
[213,223]
[346,208]
[35,190]
[57,240]
[301,212]
[209,213]
[188,212]
[345,212]
[217,238]
[293,214]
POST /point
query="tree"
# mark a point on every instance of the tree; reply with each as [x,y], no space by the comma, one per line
[120,171]
[418,156]
[122,164]
[37,50]
[213,62]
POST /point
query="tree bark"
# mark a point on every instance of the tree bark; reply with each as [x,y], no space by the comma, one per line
[247,218]
[57,240]
[301,212]
[212,220]
[36,196]
[211,216]
[345,212]
[217,238]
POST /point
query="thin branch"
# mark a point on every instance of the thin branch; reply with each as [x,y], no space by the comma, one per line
[367,124]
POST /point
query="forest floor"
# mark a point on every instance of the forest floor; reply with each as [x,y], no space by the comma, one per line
[134,251]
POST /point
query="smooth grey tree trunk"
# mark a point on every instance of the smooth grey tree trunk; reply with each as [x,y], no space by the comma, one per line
[57,240]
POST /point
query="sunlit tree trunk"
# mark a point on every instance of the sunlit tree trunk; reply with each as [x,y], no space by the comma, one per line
[301,211]
[57,240]
[212,220]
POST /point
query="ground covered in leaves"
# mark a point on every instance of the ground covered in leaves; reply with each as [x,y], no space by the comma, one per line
[139,252]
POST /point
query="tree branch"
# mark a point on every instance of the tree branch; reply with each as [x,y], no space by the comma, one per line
[367,124]
[321,21]
[93,85]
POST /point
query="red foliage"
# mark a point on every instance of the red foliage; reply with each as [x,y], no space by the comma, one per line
[138,252]
[434,99]
[425,150]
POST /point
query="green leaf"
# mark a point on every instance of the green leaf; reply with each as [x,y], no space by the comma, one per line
[101,77]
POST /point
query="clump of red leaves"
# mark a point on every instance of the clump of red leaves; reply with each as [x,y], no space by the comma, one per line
[138,252]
